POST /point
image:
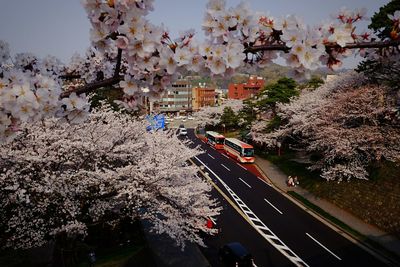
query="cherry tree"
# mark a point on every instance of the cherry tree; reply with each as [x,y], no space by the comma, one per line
[347,122]
[132,53]
[212,115]
[58,179]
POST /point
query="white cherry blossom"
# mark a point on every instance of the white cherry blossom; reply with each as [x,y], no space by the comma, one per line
[129,86]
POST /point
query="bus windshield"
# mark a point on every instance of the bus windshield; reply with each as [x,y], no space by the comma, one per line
[219,141]
[248,152]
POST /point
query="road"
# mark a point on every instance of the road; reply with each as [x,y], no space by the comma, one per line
[275,230]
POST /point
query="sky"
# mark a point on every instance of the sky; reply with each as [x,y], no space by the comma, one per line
[60,27]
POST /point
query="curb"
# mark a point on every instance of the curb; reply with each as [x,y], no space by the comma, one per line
[381,254]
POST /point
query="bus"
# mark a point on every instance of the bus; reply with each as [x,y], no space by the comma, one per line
[244,153]
[215,139]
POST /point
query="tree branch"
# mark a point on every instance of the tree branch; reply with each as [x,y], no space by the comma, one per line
[93,86]
[118,65]
[283,47]
[382,44]
[70,76]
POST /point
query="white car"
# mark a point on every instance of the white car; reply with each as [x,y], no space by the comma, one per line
[190,118]
[182,131]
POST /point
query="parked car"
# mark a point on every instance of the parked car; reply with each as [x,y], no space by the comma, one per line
[182,131]
[234,254]
[181,126]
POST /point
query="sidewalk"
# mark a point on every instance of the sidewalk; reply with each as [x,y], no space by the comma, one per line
[274,175]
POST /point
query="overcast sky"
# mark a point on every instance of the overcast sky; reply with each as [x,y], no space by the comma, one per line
[60,27]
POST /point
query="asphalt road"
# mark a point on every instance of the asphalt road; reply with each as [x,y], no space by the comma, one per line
[281,233]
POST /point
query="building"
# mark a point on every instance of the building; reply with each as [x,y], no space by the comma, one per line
[177,97]
[203,96]
[246,90]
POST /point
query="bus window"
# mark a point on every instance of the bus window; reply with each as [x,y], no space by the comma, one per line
[220,141]
[248,152]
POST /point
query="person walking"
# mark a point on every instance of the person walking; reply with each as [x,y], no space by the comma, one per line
[290,181]
[295,181]
[92,258]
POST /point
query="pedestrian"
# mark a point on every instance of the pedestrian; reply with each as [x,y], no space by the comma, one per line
[295,181]
[290,181]
[92,258]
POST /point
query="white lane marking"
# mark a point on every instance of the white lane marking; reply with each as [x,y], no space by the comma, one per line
[244,182]
[257,224]
[212,220]
[210,156]
[262,180]
[241,166]
[273,206]
[225,155]
[225,167]
[323,246]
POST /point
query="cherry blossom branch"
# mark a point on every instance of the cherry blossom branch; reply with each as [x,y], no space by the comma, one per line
[383,44]
[118,65]
[93,86]
[251,49]
[283,47]
[70,76]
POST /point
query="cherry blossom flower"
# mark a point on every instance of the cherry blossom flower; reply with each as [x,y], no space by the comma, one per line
[395,17]
[122,42]
[129,86]
[75,102]
[167,60]
[217,65]
[182,56]
[341,35]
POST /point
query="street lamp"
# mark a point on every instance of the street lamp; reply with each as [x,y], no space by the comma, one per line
[278,144]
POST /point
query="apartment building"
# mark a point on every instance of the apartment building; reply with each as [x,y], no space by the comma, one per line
[203,96]
[246,90]
[177,97]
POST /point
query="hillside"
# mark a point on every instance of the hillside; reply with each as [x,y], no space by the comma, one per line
[271,74]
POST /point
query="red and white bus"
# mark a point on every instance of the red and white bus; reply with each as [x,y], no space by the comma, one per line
[215,139]
[244,153]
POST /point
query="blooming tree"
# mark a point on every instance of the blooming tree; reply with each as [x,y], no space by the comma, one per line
[212,115]
[132,53]
[346,121]
[57,179]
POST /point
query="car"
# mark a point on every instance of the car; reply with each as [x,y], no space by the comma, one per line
[235,254]
[181,126]
[190,118]
[182,131]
